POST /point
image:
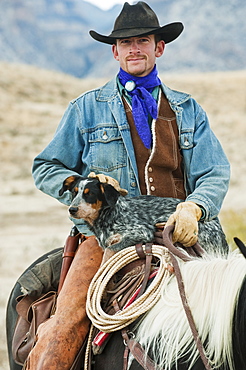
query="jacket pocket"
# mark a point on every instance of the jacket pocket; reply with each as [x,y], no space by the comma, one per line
[106,149]
[186,139]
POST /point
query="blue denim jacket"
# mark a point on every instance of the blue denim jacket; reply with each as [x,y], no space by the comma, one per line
[94,135]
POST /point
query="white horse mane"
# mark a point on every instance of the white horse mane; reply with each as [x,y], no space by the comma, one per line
[212,286]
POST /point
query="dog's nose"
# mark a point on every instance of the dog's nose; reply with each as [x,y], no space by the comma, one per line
[73,210]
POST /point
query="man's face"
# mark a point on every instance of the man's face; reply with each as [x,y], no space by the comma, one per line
[137,55]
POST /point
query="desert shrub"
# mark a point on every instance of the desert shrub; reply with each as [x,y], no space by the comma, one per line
[234,224]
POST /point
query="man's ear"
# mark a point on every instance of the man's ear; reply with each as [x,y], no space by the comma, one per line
[159,50]
[111,195]
[69,184]
[115,52]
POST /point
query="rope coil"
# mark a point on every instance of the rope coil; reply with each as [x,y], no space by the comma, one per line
[110,323]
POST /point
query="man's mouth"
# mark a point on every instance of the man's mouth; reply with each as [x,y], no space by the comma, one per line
[135,59]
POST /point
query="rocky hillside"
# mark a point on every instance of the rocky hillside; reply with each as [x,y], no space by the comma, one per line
[53,34]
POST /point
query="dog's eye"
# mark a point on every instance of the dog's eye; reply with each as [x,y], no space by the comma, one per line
[74,192]
[87,191]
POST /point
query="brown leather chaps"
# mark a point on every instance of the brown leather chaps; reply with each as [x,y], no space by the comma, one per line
[60,337]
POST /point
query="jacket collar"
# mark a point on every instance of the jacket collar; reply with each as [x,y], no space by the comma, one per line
[175,97]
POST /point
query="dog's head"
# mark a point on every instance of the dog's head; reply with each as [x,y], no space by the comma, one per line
[89,197]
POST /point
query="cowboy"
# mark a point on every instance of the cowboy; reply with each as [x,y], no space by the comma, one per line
[136,130]
[137,134]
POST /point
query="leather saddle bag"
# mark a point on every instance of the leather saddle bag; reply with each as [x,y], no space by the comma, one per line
[31,313]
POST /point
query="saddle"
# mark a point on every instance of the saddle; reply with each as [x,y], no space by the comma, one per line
[116,300]
[124,287]
[130,281]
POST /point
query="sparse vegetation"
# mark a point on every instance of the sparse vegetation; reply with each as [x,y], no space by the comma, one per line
[234,224]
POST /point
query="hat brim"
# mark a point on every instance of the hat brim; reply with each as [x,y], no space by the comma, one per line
[168,33]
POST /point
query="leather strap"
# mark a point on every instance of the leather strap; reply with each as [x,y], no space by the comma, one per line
[163,236]
[135,348]
[174,252]
[140,251]
[130,344]
[68,254]
[125,291]
[70,248]
[148,254]
[139,354]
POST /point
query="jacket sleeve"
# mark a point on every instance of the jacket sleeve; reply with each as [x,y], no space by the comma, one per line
[62,157]
[208,170]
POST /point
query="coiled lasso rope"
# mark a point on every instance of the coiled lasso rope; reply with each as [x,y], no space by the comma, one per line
[121,319]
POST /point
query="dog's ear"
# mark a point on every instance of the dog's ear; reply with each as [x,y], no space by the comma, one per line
[69,184]
[111,195]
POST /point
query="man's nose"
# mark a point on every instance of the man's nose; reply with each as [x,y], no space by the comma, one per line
[134,47]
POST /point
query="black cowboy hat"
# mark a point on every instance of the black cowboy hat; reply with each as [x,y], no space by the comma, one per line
[137,20]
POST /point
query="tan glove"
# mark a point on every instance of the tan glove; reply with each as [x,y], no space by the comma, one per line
[109,180]
[185,219]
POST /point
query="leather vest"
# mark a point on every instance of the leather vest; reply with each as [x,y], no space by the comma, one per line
[160,168]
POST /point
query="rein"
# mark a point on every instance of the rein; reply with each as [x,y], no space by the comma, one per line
[195,251]
[175,252]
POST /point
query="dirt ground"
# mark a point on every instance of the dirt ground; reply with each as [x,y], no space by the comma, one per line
[31,104]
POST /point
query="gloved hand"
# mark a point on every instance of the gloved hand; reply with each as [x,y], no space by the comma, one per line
[109,180]
[185,219]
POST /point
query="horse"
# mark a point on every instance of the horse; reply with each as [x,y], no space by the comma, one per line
[215,286]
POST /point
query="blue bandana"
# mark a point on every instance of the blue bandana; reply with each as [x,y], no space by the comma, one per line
[143,103]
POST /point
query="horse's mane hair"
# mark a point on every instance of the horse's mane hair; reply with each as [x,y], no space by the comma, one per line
[212,287]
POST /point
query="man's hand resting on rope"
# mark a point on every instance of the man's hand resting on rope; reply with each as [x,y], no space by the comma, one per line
[185,220]
[109,180]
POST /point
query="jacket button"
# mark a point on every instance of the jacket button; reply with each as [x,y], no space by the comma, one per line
[152,188]
[150,169]
[151,179]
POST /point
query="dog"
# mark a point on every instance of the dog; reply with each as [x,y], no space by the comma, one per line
[119,222]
